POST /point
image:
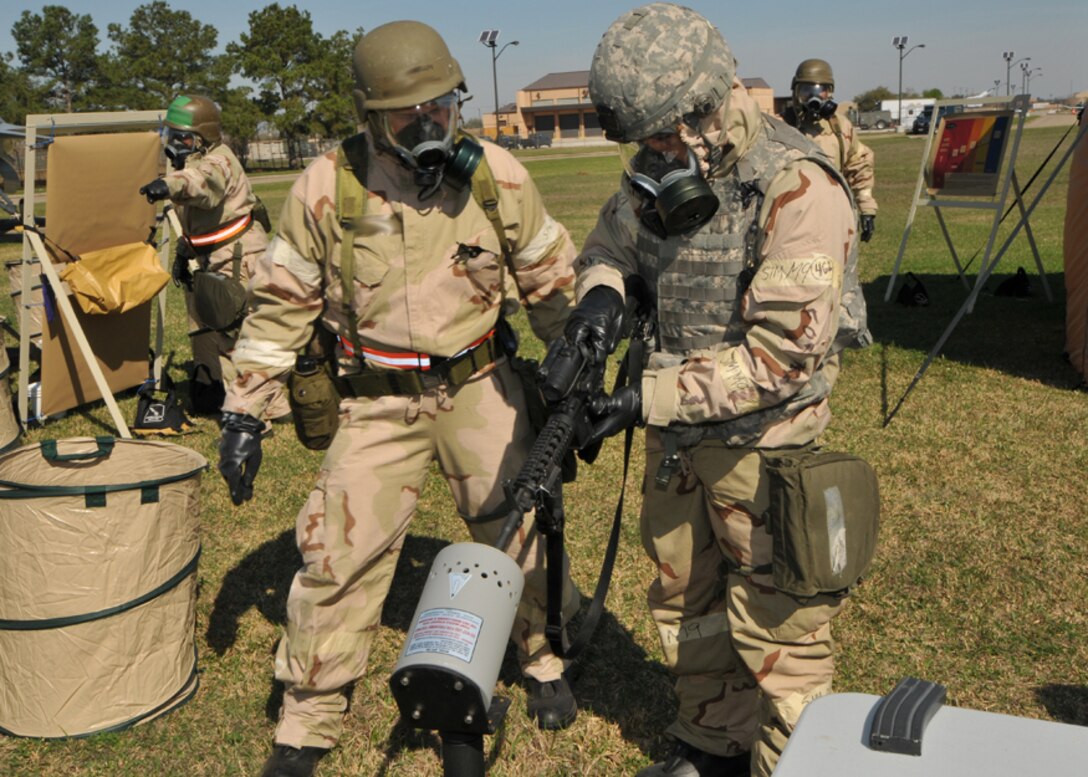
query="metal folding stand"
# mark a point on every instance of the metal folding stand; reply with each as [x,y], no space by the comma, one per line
[1007,182]
[987,269]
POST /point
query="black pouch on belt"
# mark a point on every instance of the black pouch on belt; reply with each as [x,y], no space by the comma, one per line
[824,517]
[218,301]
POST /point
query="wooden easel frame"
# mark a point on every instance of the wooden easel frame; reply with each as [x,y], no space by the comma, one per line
[48,125]
[1019,104]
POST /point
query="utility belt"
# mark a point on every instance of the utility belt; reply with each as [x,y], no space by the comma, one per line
[414,373]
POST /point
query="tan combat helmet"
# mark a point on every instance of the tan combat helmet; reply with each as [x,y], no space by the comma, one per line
[658,66]
[813,71]
[197,114]
[401,64]
[812,79]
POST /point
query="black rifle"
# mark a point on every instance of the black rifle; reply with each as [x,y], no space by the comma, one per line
[570,379]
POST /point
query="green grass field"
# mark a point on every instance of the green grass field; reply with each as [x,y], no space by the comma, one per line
[980,583]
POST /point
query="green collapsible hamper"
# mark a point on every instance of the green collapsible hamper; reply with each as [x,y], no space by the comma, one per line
[100,540]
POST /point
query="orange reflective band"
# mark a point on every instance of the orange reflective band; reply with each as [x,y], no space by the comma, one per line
[231,230]
[408,360]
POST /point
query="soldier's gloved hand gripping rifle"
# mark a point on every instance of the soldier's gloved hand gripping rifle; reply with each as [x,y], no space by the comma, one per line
[572,382]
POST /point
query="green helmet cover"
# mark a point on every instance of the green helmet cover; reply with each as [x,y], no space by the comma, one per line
[195,113]
[656,66]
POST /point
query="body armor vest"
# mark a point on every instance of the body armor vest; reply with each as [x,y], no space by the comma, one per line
[698,280]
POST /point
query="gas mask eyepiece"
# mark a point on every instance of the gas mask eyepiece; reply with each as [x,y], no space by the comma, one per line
[676,199]
[422,138]
[815,99]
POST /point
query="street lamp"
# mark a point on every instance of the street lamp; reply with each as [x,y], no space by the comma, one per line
[900,42]
[1026,79]
[489,38]
[1008,55]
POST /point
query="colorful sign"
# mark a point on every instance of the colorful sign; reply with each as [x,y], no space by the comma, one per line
[966,155]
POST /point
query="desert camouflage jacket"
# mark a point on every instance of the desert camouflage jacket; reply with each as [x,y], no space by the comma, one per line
[789,312]
[212,191]
[853,158]
[429,276]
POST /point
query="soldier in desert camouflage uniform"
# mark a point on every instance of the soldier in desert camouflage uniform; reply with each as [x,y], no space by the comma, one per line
[813,112]
[223,233]
[425,376]
[745,237]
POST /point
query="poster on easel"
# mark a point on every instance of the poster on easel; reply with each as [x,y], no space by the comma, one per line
[965,159]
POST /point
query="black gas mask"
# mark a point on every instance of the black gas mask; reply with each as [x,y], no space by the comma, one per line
[676,199]
[178,145]
[811,99]
[422,137]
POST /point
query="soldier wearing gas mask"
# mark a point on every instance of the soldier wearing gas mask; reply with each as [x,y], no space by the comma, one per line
[815,113]
[745,235]
[384,247]
[225,230]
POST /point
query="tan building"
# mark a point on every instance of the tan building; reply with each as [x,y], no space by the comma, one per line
[558,105]
[509,121]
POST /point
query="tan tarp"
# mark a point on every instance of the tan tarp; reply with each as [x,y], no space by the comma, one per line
[93,202]
[9,426]
[1076,259]
[98,586]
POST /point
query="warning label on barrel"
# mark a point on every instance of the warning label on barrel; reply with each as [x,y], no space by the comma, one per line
[446,631]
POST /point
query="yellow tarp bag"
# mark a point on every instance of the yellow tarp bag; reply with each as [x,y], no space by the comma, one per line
[115,280]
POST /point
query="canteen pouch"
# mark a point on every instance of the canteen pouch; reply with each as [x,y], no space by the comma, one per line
[315,402]
[824,517]
[218,300]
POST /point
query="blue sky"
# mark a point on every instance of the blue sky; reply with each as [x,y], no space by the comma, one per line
[964,39]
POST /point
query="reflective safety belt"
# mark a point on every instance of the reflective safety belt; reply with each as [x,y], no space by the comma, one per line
[414,373]
[408,360]
[210,241]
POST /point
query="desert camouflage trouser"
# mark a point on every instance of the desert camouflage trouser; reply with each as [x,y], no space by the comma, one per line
[747,658]
[351,531]
[212,348]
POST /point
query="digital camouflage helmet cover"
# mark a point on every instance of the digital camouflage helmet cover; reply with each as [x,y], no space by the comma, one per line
[656,67]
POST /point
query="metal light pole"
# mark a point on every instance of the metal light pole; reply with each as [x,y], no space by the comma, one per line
[489,38]
[900,42]
[1028,73]
[1008,57]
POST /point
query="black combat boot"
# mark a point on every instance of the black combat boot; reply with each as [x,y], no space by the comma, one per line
[287,761]
[689,761]
[551,704]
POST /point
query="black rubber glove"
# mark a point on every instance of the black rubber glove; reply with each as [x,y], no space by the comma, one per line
[613,414]
[597,321]
[868,226]
[156,190]
[240,454]
[180,272]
